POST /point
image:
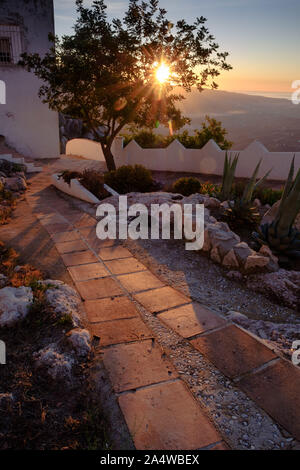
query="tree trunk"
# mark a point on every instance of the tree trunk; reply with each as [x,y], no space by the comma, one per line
[109,158]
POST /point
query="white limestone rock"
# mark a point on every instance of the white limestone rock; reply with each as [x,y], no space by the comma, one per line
[3,280]
[254,262]
[230,261]
[273,260]
[223,239]
[212,203]
[282,285]
[15,183]
[80,340]
[234,275]
[56,364]
[14,304]
[64,299]
[206,244]
[215,255]
[236,316]
[242,251]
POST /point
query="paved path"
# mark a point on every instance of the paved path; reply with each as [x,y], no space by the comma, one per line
[159,409]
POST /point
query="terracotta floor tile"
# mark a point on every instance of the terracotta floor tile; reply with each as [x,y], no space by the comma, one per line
[88,271]
[65,236]
[114,252]
[220,446]
[161,299]
[93,241]
[69,247]
[85,221]
[124,266]
[136,365]
[57,228]
[98,288]
[277,390]
[110,309]
[53,218]
[190,320]
[139,281]
[166,417]
[121,331]
[82,257]
[233,351]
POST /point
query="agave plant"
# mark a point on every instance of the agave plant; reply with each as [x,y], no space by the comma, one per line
[280,235]
[230,164]
[242,212]
[253,184]
[242,209]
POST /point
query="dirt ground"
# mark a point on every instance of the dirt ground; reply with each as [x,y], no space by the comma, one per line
[166,178]
[26,235]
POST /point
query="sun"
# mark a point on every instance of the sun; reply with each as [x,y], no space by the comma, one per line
[162,73]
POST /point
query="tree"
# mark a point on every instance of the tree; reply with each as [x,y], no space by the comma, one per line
[212,129]
[106,72]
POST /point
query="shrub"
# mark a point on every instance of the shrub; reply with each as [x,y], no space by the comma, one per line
[7,204]
[211,189]
[127,179]
[264,194]
[9,167]
[94,181]
[68,175]
[186,186]
[145,138]
[268,195]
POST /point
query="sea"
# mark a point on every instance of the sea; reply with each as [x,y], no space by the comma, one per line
[270,94]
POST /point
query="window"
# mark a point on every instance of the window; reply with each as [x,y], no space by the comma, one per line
[10,44]
[5,51]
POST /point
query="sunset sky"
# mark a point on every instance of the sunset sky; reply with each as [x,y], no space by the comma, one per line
[262,36]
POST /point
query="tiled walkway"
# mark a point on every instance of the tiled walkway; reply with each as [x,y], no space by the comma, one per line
[160,410]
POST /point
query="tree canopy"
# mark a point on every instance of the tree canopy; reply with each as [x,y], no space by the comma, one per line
[105,72]
[211,129]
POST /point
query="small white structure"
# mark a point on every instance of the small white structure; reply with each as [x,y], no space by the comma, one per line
[26,123]
[208,160]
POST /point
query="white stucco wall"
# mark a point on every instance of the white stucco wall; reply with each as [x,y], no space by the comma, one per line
[208,160]
[26,123]
[85,148]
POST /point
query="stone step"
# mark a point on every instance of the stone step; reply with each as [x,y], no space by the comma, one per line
[10,158]
[30,167]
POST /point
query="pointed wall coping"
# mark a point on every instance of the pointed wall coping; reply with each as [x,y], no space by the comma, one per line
[133,144]
[175,143]
[212,145]
[257,146]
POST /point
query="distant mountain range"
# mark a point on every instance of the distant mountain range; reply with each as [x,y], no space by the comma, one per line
[274,122]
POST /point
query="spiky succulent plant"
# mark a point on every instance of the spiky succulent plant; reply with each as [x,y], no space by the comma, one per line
[243,209]
[230,164]
[253,184]
[244,213]
[280,235]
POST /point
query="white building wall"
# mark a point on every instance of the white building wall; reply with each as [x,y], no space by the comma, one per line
[26,123]
[208,160]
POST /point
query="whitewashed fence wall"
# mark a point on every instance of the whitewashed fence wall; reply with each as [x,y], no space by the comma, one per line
[208,160]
